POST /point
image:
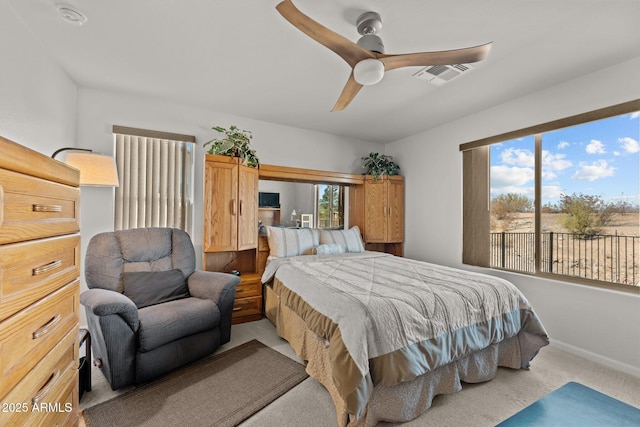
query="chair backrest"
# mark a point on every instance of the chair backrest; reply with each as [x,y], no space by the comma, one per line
[110,254]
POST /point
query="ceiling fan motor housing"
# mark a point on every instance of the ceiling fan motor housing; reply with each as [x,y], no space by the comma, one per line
[368,25]
[371,42]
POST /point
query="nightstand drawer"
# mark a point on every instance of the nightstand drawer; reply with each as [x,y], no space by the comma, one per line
[29,335]
[32,208]
[32,270]
[247,306]
[249,289]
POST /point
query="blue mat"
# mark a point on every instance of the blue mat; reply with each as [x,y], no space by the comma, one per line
[574,404]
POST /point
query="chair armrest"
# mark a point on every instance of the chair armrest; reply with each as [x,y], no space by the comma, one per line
[103,302]
[213,285]
[221,288]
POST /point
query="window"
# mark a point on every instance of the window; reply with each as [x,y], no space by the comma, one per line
[156,179]
[562,198]
[330,205]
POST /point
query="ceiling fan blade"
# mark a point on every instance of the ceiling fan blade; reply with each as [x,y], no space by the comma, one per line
[345,48]
[349,92]
[443,57]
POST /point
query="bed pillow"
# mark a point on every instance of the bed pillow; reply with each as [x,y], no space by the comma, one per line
[286,242]
[147,288]
[329,249]
[350,238]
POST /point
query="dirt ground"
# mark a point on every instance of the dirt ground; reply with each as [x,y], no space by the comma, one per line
[621,224]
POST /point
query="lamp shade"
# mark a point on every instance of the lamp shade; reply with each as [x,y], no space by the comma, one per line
[368,71]
[95,169]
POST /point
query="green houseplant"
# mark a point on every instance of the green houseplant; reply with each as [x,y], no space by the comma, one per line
[379,164]
[233,143]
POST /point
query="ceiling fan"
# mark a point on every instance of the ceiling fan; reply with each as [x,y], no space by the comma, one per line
[366,58]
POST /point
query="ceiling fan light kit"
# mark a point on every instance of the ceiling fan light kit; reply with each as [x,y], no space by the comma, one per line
[368,71]
[366,58]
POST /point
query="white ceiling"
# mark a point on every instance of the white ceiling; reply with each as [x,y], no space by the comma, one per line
[241,57]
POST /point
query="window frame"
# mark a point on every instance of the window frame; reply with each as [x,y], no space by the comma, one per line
[476,193]
[341,203]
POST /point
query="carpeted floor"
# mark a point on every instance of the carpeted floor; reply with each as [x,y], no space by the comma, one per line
[477,405]
[228,388]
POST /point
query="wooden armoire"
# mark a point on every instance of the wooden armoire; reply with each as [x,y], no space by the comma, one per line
[231,229]
[384,213]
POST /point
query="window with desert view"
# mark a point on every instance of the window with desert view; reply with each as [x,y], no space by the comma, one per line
[587,199]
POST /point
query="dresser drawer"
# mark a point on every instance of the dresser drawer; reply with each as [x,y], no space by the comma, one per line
[32,270]
[249,288]
[45,385]
[65,416]
[32,208]
[247,306]
[27,336]
[61,407]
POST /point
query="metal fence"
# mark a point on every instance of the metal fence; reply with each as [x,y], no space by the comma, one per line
[609,258]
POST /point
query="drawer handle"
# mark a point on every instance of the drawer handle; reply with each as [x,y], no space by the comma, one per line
[47,267]
[42,330]
[237,308]
[45,388]
[47,208]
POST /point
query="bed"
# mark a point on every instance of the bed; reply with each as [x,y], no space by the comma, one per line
[386,334]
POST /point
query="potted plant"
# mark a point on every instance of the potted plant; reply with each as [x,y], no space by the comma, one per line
[379,164]
[233,143]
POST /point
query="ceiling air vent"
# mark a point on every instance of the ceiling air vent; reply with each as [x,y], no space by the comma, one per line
[440,74]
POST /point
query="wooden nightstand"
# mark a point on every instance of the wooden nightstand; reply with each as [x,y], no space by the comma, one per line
[248,303]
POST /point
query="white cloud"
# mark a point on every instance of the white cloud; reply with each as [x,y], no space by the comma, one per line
[554,162]
[524,191]
[551,192]
[596,147]
[616,153]
[518,157]
[505,176]
[563,145]
[594,171]
[634,115]
[629,145]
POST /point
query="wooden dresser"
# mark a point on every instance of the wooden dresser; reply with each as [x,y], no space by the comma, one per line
[39,288]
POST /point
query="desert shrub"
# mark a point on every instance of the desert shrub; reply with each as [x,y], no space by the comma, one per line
[505,205]
[586,214]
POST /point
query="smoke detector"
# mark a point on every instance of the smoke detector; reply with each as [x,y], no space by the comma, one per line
[71,14]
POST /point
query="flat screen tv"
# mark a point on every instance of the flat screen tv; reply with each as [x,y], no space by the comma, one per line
[268,200]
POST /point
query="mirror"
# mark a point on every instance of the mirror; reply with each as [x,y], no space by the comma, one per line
[303,204]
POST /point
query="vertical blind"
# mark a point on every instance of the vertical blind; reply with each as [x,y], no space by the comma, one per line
[156,182]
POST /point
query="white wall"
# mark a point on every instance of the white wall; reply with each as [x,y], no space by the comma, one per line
[600,324]
[37,98]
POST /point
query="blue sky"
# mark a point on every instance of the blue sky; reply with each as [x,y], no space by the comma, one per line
[599,158]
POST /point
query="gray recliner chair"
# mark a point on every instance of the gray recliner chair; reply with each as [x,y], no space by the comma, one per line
[148,310]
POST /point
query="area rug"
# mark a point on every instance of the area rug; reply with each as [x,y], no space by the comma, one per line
[222,390]
[574,404]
